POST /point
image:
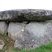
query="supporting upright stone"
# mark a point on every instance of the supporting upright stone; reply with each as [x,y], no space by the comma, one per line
[15,30]
[35,34]
[3,28]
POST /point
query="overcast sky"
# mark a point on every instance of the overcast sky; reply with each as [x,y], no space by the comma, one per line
[25,4]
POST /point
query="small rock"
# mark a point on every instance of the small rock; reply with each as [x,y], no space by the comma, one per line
[17,44]
[1,44]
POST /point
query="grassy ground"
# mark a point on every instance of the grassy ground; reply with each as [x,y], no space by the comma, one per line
[43,48]
[9,46]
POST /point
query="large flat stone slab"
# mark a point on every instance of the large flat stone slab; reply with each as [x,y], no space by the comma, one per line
[26,15]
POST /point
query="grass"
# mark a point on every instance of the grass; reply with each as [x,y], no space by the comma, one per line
[9,46]
[43,48]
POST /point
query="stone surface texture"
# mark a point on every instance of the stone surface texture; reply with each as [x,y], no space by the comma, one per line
[3,27]
[29,28]
[26,15]
[15,30]
[36,34]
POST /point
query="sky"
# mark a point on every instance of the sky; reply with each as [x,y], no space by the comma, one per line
[25,4]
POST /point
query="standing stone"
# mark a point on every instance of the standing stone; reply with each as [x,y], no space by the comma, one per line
[15,30]
[3,27]
[36,34]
